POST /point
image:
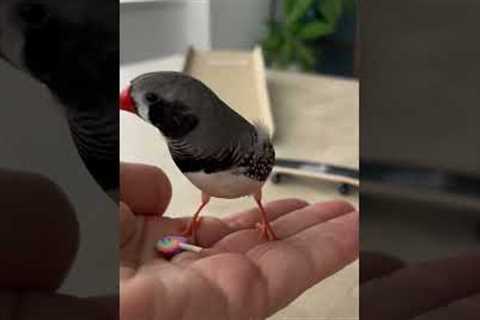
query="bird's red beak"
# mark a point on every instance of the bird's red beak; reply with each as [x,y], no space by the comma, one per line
[126,101]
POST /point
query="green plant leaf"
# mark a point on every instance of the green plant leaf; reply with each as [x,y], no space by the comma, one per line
[305,55]
[272,43]
[275,37]
[314,30]
[286,54]
[331,10]
[298,10]
[350,6]
[287,6]
[295,27]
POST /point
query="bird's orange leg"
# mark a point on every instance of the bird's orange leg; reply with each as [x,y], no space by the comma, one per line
[193,226]
[264,226]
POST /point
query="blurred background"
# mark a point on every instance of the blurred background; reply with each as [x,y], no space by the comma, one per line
[308,35]
[420,156]
[35,137]
[41,143]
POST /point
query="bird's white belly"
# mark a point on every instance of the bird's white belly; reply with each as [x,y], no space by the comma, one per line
[224,184]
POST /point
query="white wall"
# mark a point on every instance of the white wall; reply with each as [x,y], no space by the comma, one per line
[150,29]
[154,29]
[238,23]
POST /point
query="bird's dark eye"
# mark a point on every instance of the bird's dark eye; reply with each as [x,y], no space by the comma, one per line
[34,14]
[151,97]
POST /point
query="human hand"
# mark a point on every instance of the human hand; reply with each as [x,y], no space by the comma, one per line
[39,237]
[442,289]
[239,275]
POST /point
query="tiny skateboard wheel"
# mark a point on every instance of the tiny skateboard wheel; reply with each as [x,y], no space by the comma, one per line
[344,189]
[276,178]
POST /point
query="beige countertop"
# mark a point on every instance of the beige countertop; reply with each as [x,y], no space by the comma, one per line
[316,118]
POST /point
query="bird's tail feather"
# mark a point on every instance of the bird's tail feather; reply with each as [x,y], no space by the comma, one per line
[263,132]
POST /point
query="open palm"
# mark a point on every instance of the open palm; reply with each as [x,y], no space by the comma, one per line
[239,275]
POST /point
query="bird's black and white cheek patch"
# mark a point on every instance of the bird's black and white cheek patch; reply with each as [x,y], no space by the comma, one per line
[142,111]
[173,119]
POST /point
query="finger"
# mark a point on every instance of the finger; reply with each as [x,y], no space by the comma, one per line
[210,231]
[248,219]
[295,222]
[377,265]
[421,287]
[146,189]
[128,225]
[464,309]
[131,229]
[48,306]
[295,264]
[287,225]
[38,219]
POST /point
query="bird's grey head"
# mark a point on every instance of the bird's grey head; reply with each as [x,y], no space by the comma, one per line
[191,116]
[173,102]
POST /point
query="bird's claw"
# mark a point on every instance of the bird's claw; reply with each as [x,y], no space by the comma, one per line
[191,230]
[266,232]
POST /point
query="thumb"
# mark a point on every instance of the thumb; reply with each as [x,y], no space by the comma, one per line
[39,232]
[128,224]
[145,189]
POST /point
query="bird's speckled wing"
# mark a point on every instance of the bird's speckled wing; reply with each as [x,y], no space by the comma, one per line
[251,155]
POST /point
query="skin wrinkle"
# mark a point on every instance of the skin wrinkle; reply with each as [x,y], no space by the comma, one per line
[308,258]
[322,216]
[126,220]
[186,300]
[212,285]
[258,278]
[146,252]
[135,263]
[264,251]
[339,245]
[262,281]
[335,245]
[244,221]
[164,287]
[151,304]
[450,279]
[224,242]
[127,267]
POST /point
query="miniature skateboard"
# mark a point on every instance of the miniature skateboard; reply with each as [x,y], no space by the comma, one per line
[347,178]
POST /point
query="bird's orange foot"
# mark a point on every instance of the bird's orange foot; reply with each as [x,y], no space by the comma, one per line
[266,231]
[191,230]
